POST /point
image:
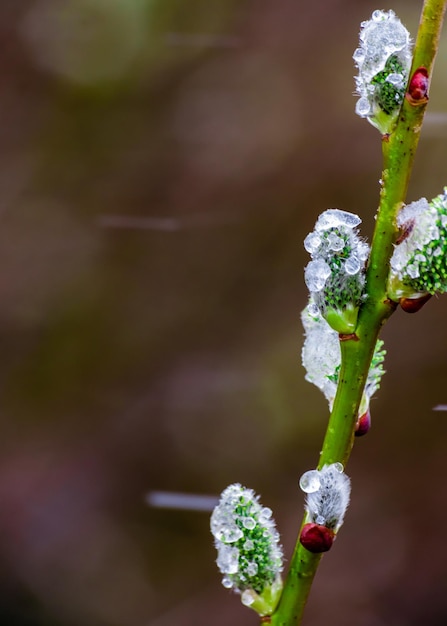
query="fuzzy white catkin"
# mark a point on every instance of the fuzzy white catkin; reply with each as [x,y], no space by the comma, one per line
[328,498]
[246,539]
[321,357]
[335,276]
[383,59]
[419,262]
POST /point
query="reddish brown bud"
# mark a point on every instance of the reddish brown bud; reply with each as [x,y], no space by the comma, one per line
[316,538]
[418,87]
[350,337]
[413,305]
[363,424]
[405,231]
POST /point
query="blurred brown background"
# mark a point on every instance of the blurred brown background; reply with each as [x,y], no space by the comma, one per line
[161,162]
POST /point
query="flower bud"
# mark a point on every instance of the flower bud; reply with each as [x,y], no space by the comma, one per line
[419,262]
[418,87]
[328,491]
[316,538]
[363,424]
[336,275]
[383,59]
[413,305]
[321,354]
[249,553]
[321,357]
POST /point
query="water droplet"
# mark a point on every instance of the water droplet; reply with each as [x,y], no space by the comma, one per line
[313,310]
[266,512]
[320,520]
[363,107]
[379,16]
[359,55]
[248,597]
[316,274]
[226,582]
[398,259]
[352,265]
[413,270]
[249,523]
[310,481]
[223,527]
[228,559]
[397,80]
[252,569]
[312,242]
[335,243]
[248,545]
[335,218]
[437,252]
[434,232]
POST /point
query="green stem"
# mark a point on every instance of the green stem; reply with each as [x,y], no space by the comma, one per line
[398,155]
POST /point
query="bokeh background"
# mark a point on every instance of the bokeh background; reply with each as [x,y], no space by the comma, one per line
[161,162]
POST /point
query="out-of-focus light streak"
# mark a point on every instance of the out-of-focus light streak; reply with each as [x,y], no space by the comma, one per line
[166,224]
[182,501]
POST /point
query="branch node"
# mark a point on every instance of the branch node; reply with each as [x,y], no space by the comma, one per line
[349,337]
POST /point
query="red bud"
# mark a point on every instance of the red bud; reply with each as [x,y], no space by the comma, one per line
[413,305]
[316,538]
[418,87]
[363,424]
